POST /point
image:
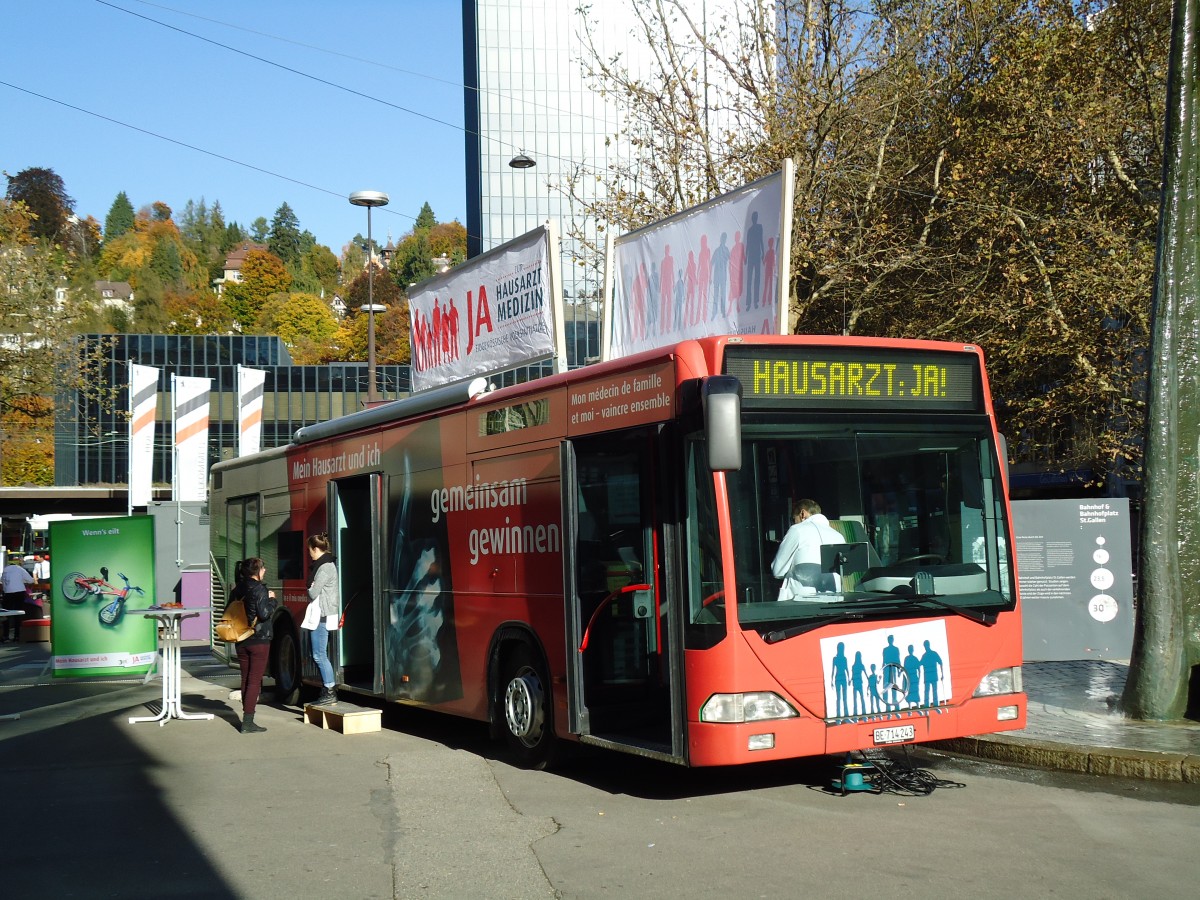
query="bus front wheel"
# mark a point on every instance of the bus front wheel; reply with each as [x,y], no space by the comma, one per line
[286,668]
[525,703]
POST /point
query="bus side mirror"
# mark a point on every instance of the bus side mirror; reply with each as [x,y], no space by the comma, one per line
[722,398]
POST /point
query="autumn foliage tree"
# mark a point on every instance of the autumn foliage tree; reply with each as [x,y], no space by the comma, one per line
[263,274]
[419,253]
[980,172]
[39,362]
[45,196]
[305,324]
[391,331]
[196,312]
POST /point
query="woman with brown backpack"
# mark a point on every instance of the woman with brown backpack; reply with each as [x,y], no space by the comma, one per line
[255,651]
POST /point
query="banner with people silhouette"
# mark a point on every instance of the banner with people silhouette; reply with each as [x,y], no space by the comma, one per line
[500,310]
[897,672]
[717,268]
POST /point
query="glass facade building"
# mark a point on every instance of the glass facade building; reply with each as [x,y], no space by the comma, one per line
[91,440]
[526,93]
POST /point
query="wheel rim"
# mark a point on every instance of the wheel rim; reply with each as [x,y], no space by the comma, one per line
[72,590]
[111,613]
[523,708]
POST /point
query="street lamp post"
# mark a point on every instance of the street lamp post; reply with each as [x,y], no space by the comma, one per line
[370,199]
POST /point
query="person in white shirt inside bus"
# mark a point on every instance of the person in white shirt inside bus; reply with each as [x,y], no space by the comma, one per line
[798,561]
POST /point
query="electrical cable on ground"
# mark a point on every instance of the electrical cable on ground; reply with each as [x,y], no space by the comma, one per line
[904,778]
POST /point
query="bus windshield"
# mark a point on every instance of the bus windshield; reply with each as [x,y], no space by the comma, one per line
[885,520]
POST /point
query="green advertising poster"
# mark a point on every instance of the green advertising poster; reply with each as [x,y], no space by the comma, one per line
[99,568]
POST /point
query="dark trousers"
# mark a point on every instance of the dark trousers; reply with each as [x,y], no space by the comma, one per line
[252,659]
[13,601]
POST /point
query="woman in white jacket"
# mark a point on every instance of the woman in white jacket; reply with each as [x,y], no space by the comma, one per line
[321,617]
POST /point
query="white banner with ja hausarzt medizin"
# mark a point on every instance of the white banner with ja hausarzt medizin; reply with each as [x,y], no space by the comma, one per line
[498,311]
[250,406]
[143,404]
[717,268]
[191,437]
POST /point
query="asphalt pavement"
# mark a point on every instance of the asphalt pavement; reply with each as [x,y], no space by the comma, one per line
[1074,722]
[94,806]
[97,807]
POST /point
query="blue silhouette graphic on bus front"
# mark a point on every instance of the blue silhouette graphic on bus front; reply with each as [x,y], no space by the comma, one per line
[931,671]
[912,671]
[838,678]
[892,671]
[882,684]
[858,672]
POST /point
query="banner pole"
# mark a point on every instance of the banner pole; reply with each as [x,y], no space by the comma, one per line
[129,465]
[785,245]
[606,301]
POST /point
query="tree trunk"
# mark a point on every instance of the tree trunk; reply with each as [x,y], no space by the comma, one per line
[1165,641]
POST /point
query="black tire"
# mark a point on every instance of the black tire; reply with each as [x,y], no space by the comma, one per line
[111,613]
[523,706]
[285,666]
[72,592]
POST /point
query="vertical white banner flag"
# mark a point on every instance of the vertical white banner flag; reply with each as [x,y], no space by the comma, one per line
[143,403]
[191,437]
[250,406]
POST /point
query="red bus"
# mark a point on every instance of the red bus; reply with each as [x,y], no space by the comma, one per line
[590,556]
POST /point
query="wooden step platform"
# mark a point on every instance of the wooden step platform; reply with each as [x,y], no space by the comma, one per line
[343,717]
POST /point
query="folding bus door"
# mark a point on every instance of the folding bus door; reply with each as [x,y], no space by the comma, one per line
[621,631]
[356,516]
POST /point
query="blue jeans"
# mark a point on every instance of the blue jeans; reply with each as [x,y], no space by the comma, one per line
[320,651]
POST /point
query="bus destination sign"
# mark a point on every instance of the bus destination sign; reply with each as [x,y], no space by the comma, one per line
[883,379]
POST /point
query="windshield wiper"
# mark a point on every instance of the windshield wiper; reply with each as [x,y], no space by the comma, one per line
[774,637]
[983,618]
[864,606]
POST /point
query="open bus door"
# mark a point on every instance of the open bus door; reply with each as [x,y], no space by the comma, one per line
[624,690]
[355,525]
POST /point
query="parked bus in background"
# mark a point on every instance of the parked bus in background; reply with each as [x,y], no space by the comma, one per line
[589,556]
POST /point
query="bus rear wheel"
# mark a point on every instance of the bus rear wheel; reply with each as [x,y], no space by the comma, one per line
[525,704]
[286,668]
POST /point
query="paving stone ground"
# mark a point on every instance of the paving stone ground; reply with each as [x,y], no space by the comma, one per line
[1075,723]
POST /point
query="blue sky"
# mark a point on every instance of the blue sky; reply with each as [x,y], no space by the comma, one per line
[364,108]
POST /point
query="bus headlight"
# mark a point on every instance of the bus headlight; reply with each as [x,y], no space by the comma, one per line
[753,706]
[1001,681]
